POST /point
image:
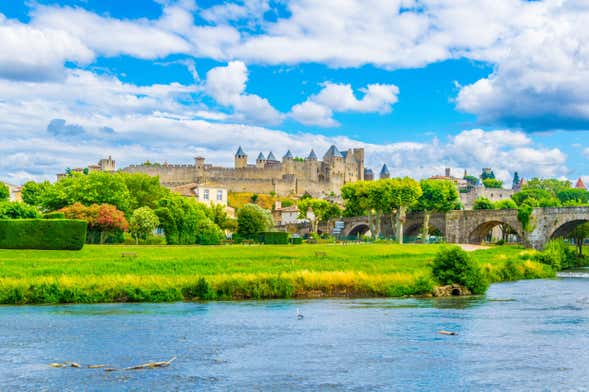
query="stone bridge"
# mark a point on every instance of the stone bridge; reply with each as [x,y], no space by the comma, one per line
[471,227]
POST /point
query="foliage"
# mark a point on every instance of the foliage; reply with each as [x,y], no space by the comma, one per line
[144,190]
[399,195]
[515,181]
[274,238]
[579,234]
[535,197]
[32,192]
[54,215]
[4,192]
[42,234]
[487,175]
[218,214]
[505,204]
[322,210]
[492,183]
[17,210]
[558,255]
[185,221]
[524,213]
[550,185]
[356,198]
[437,196]
[472,180]
[103,220]
[453,265]
[95,188]
[142,223]
[573,197]
[482,203]
[252,220]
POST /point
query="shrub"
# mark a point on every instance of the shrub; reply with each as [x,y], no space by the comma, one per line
[208,233]
[274,237]
[454,265]
[16,210]
[42,234]
[4,191]
[54,215]
[252,220]
[558,255]
[482,203]
[296,240]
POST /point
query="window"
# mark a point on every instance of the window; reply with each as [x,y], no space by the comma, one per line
[206,194]
[220,195]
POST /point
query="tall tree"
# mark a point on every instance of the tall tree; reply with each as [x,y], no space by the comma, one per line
[357,201]
[4,192]
[252,220]
[144,190]
[401,193]
[437,196]
[516,180]
[579,234]
[142,223]
[32,192]
[321,211]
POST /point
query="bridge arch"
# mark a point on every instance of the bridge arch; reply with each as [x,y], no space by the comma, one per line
[564,229]
[359,228]
[484,229]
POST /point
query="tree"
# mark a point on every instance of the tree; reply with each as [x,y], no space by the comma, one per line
[534,197]
[142,223]
[482,203]
[401,193]
[492,183]
[104,220]
[95,188]
[551,185]
[516,181]
[144,190]
[4,192]
[573,197]
[506,204]
[472,180]
[322,211]
[16,210]
[579,234]
[32,192]
[357,201]
[453,265]
[179,218]
[487,175]
[437,196]
[252,220]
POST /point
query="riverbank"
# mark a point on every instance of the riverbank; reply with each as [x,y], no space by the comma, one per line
[175,273]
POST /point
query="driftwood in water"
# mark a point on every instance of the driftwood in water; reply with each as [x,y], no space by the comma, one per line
[447,333]
[149,365]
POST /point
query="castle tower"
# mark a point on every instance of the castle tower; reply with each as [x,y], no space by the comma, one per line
[271,158]
[199,163]
[312,156]
[384,172]
[261,161]
[580,184]
[311,166]
[240,159]
[107,164]
[288,156]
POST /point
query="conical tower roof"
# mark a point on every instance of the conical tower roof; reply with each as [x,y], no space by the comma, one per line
[384,172]
[261,157]
[288,155]
[312,155]
[580,184]
[333,152]
[240,152]
[271,157]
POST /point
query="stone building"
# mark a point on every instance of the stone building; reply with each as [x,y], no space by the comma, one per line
[106,165]
[289,176]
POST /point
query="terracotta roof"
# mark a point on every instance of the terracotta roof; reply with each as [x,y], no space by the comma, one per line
[580,184]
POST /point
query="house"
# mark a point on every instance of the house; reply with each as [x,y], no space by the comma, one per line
[207,194]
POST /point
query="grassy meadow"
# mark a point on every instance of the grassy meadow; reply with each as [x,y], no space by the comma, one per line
[175,273]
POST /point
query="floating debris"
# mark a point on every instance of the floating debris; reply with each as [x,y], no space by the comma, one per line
[149,365]
[447,333]
[152,365]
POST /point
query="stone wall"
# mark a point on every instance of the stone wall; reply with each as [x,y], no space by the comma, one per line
[493,194]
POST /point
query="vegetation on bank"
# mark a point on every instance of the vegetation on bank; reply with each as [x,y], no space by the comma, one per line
[175,273]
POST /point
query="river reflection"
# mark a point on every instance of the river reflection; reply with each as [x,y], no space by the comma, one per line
[528,335]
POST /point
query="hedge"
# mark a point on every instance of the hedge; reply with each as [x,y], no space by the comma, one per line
[55,234]
[54,215]
[274,237]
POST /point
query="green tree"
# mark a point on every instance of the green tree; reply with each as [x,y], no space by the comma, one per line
[452,265]
[579,234]
[252,220]
[487,175]
[472,180]
[492,183]
[506,204]
[144,190]
[573,197]
[400,194]
[550,185]
[322,211]
[95,188]
[482,203]
[4,192]
[142,223]
[181,219]
[17,210]
[357,201]
[535,197]
[32,192]
[437,196]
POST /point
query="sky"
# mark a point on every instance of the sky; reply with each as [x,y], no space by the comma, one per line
[421,85]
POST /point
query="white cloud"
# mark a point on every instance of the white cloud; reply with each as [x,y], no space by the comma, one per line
[333,97]
[586,153]
[31,53]
[227,86]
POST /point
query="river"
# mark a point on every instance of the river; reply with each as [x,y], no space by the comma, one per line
[527,335]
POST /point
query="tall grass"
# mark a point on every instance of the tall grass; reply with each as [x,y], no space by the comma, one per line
[163,274]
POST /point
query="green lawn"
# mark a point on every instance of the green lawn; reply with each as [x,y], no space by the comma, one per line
[172,273]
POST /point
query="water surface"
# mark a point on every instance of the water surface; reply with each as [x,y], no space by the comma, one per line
[528,335]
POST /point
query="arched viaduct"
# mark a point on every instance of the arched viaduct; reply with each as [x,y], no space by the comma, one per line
[472,226]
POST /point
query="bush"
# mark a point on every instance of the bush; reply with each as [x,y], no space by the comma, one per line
[17,210]
[55,234]
[454,265]
[208,233]
[54,215]
[253,220]
[482,203]
[274,237]
[296,240]
[558,255]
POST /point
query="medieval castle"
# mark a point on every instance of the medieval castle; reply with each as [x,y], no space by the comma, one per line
[290,176]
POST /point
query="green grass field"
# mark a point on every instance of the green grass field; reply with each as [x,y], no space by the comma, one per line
[174,273]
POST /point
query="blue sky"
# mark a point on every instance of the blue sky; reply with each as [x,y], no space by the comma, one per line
[420,84]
